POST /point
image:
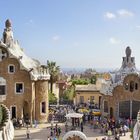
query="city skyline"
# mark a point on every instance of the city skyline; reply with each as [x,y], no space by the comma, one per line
[75,34]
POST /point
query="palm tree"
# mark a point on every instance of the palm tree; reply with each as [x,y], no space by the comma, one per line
[54,72]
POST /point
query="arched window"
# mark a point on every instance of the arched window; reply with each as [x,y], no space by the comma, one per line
[131,86]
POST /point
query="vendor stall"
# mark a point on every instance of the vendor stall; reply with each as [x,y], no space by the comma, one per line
[76,119]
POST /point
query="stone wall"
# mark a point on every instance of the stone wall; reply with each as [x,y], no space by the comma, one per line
[12,98]
[87,95]
[120,94]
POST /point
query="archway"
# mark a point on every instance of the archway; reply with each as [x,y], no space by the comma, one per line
[124,109]
[128,109]
[135,108]
[13,112]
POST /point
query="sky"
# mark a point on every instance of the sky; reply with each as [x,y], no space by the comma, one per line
[75,33]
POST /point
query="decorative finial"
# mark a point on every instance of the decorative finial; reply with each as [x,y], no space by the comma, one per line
[8,23]
[128,52]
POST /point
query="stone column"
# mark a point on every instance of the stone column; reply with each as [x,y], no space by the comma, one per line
[41,96]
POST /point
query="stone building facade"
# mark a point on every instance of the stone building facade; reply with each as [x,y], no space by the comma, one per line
[23,81]
[89,94]
[121,97]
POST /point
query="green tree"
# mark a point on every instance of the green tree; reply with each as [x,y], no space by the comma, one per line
[80,82]
[93,79]
[54,72]
[68,94]
[52,98]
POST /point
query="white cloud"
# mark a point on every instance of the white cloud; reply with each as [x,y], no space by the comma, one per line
[109,15]
[114,41]
[125,13]
[56,38]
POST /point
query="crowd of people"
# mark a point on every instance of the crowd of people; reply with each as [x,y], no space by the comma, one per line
[21,122]
[55,132]
[110,127]
[106,126]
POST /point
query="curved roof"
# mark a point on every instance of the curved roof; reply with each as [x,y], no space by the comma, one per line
[37,72]
[128,67]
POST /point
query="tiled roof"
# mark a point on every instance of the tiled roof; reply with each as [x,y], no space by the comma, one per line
[90,87]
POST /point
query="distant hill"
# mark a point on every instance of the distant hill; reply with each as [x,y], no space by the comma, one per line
[81,70]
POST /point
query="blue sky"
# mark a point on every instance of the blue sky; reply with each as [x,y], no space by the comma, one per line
[75,33]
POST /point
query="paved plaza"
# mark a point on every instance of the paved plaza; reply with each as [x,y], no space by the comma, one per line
[43,131]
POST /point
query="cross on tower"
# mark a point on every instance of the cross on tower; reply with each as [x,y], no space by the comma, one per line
[2,54]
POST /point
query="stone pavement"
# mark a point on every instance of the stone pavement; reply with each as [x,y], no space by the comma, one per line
[43,131]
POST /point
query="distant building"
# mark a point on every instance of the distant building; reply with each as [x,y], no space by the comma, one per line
[23,81]
[85,94]
[121,97]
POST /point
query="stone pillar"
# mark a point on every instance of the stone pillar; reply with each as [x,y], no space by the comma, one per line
[41,96]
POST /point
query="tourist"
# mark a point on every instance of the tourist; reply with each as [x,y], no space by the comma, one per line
[81,127]
[51,133]
[14,122]
[109,133]
[66,127]
[54,138]
[59,131]
[54,131]
[56,128]
[28,133]
[123,129]
[120,131]
[91,124]
[35,123]
[20,123]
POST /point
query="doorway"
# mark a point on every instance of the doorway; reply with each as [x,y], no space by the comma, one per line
[13,112]
[111,112]
[25,109]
